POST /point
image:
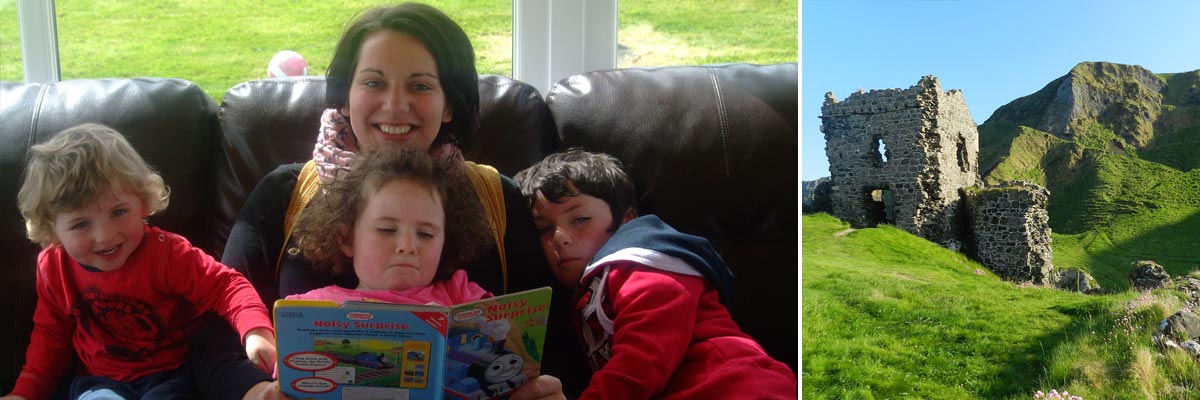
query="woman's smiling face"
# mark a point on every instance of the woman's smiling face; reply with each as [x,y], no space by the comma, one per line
[396,96]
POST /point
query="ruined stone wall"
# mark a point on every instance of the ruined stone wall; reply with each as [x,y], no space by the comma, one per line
[918,145]
[1012,230]
[956,143]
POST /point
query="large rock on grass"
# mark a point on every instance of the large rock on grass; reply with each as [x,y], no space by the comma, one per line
[1147,275]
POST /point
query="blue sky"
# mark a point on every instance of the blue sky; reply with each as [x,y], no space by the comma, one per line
[994,51]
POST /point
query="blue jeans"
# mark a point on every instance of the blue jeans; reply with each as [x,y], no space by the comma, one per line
[167,385]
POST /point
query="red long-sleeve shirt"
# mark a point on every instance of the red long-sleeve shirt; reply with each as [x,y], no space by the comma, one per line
[672,338]
[134,321]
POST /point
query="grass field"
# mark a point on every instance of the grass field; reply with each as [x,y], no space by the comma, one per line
[888,315]
[218,44]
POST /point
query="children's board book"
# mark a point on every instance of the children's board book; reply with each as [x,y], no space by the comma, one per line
[370,350]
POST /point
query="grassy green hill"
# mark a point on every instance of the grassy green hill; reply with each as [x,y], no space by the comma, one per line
[888,315]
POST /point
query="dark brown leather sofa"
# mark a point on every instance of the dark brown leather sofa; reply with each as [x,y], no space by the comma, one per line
[712,150]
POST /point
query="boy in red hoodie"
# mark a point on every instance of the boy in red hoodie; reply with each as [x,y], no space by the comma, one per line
[649,299]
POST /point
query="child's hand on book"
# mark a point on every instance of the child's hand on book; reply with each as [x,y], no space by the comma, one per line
[260,348]
[543,387]
[265,390]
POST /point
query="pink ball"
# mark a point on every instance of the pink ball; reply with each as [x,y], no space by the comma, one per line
[287,63]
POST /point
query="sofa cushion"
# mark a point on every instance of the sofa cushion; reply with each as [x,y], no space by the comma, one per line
[712,150]
[515,127]
[171,123]
[264,123]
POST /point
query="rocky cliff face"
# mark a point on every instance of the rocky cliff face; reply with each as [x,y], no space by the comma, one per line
[1124,99]
[814,196]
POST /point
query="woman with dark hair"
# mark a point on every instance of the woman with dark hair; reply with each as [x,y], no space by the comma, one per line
[402,76]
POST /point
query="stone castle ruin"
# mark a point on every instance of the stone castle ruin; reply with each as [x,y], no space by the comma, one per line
[910,158]
[900,156]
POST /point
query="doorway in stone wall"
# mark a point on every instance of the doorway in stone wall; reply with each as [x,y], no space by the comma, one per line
[881,206]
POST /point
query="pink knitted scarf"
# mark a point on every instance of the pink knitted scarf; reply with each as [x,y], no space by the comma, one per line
[336,147]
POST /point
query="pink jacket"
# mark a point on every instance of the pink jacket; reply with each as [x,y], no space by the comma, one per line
[456,290]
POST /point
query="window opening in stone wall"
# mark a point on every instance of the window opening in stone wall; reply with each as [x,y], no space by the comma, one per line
[881,207]
[964,163]
[879,149]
